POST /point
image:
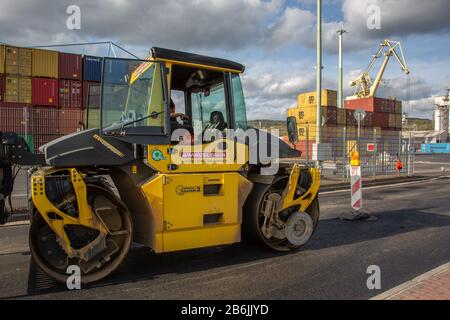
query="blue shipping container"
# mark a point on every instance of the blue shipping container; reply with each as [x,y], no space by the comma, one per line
[92,68]
[117,71]
[435,148]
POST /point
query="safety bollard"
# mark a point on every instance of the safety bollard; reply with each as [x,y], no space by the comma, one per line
[356,191]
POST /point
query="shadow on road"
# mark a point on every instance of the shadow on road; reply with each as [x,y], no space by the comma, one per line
[142,265]
[335,232]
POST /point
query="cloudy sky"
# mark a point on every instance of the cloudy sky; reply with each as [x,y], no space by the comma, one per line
[275,39]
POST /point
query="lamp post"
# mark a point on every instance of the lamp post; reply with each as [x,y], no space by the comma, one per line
[319,73]
[341,71]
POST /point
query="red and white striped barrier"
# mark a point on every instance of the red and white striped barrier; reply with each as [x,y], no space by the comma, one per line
[356,182]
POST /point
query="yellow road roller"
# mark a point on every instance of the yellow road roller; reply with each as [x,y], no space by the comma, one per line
[166,160]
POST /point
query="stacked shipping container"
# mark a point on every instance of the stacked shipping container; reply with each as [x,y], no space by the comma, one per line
[92,76]
[45,92]
[2,87]
[17,76]
[70,85]
[70,94]
[42,93]
[383,117]
[386,113]
[306,115]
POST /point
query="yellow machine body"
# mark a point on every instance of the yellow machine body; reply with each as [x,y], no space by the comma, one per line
[187,211]
[56,219]
[170,195]
[196,210]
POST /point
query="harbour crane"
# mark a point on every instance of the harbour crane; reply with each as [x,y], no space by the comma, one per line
[365,87]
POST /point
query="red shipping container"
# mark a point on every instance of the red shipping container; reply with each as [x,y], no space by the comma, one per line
[350,117]
[70,94]
[368,120]
[45,92]
[2,87]
[381,119]
[15,117]
[70,66]
[91,94]
[331,117]
[331,132]
[371,104]
[70,119]
[44,121]
[302,146]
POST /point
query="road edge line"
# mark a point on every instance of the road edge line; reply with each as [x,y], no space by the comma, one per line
[409,284]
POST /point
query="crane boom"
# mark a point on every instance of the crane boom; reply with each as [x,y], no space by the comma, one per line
[365,87]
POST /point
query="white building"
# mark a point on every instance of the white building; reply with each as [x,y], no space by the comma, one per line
[441,114]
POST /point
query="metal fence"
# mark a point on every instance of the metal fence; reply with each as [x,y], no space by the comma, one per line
[380,150]
[388,148]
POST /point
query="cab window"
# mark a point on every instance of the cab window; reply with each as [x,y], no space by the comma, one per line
[240,113]
[205,100]
[132,98]
[209,106]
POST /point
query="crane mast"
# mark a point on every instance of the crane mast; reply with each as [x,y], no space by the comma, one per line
[365,87]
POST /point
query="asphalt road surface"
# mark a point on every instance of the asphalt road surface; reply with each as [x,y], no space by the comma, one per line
[425,164]
[411,236]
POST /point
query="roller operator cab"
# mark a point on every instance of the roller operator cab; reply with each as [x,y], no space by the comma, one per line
[166,161]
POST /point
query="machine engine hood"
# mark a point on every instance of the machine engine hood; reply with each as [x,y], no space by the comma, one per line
[87,148]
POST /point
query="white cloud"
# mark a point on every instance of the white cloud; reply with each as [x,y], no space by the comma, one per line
[399,18]
[291,27]
[420,108]
[232,25]
[200,24]
[272,87]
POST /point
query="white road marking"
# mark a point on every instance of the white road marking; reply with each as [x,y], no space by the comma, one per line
[429,162]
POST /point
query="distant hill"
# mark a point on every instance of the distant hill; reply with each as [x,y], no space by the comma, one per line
[418,124]
[269,124]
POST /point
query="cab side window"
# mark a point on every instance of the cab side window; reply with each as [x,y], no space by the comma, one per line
[209,107]
[240,114]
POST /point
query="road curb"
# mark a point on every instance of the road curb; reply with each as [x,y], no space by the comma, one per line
[16,223]
[411,283]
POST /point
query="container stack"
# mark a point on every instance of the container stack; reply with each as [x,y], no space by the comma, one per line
[44,93]
[383,120]
[92,75]
[44,114]
[385,114]
[15,89]
[70,69]
[306,115]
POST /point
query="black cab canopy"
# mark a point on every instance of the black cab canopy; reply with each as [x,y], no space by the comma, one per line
[191,58]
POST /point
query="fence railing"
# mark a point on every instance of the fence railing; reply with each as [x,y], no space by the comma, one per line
[380,150]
